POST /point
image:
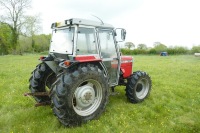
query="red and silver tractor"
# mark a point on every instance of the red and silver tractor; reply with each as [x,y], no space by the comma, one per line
[83,67]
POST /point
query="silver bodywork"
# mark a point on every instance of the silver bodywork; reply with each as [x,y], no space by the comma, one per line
[104,43]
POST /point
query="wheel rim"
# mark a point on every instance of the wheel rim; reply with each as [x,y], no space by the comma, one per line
[142,88]
[87,97]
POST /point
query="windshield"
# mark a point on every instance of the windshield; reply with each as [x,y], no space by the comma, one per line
[62,41]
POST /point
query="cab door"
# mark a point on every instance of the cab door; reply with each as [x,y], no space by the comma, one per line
[109,54]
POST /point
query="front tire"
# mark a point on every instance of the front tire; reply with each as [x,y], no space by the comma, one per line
[138,87]
[80,95]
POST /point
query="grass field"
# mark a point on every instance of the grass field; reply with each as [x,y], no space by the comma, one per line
[173,105]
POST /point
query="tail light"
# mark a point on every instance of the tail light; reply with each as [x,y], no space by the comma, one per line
[67,63]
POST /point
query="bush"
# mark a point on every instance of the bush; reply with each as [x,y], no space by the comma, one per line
[127,52]
[152,51]
[177,50]
[133,52]
[140,51]
[195,49]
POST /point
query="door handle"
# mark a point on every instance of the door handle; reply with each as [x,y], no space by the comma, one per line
[115,59]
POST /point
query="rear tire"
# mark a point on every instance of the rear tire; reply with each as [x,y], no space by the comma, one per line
[41,78]
[138,87]
[80,95]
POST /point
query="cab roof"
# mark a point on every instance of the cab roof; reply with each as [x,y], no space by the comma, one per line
[78,21]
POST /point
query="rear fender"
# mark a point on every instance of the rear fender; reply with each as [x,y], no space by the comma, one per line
[53,65]
[92,59]
[96,63]
[75,64]
[87,58]
[49,61]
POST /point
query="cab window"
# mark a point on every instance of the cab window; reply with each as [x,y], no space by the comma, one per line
[107,44]
[86,43]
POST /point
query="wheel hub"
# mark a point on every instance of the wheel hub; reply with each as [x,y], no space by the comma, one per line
[142,88]
[88,96]
[85,96]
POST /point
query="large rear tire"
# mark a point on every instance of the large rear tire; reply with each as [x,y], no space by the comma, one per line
[138,87]
[80,95]
[41,78]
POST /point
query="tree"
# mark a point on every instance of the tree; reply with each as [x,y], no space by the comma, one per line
[129,45]
[32,27]
[5,42]
[14,12]
[42,42]
[142,46]
[159,47]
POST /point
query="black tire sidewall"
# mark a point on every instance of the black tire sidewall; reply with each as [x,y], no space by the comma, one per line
[84,77]
[68,83]
[38,81]
[132,86]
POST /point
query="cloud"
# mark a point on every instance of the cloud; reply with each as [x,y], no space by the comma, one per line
[172,22]
[104,8]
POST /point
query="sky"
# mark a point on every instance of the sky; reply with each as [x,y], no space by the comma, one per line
[171,22]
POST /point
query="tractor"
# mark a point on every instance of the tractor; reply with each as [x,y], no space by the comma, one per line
[82,69]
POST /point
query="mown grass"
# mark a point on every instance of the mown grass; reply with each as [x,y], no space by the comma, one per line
[173,105]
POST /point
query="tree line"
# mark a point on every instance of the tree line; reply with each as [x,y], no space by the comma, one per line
[19,31]
[25,44]
[158,47]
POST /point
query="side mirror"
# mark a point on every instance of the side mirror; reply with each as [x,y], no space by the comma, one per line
[120,34]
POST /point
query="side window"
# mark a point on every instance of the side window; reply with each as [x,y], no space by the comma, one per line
[108,49]
[86,43]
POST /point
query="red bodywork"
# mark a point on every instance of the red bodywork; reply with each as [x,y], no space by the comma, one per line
[126,65]
[89,58]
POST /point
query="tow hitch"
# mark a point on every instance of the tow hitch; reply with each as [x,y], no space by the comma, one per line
[39,94]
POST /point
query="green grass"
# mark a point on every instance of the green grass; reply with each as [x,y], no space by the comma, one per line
[173,105]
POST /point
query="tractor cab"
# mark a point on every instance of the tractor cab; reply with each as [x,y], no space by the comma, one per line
[88,41]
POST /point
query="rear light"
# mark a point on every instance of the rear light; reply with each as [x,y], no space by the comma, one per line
[67,63]
[42,58]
